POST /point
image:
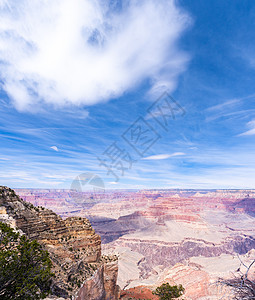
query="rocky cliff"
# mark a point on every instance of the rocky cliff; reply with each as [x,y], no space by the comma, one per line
[75,249]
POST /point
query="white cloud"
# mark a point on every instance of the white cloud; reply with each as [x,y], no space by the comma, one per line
[54,148]
[163,156]
[230,109]
[251,125]
[83,52]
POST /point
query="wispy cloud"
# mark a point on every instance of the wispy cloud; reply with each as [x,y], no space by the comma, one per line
[224,105]
[251,131]
[83,52]
[230,108]
[163,156]
[54,148]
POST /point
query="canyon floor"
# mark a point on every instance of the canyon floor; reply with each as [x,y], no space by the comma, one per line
[188,237]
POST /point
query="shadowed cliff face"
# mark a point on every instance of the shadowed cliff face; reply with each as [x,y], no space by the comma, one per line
[111,229]
[246,205]
[73,245]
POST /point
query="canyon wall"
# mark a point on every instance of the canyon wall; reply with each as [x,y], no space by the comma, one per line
[81,272]
[166,235]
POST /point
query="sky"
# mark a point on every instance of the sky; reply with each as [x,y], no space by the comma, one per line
[142,94]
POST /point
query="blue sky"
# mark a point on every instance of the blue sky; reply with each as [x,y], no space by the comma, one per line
[76,76]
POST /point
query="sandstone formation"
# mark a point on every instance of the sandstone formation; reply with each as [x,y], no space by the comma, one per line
[171,235]
[74,247]
[199,276]
[172,230]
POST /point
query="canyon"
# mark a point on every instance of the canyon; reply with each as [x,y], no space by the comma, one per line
[81,271]
[189,237]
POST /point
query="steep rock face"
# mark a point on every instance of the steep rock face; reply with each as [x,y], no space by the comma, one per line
[110,279]
[93,288]
[73,245]
[102,285]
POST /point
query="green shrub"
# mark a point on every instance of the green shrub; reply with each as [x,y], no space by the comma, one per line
[25,267]
[168,292]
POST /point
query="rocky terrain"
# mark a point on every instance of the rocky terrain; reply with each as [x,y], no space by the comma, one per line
[81,272]
[171,235]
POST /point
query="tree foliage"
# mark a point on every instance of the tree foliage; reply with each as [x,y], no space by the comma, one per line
[25,267]
[168,292]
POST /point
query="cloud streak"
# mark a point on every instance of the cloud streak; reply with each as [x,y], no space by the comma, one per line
[163,156]
[84,52]
[251,131]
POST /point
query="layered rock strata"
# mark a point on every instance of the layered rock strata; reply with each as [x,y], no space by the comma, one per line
[74,247]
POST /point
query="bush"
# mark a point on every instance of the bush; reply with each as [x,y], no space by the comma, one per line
[168,292]
[25,268]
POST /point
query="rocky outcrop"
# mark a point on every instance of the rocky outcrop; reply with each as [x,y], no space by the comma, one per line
[110,279]
[74,247]
[93,288]
[199,276]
